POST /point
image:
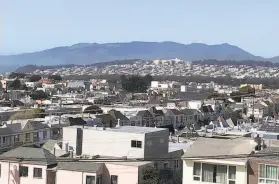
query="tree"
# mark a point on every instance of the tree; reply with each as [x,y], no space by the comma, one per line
[55,77]
[24,87]
[28,114]
[16,75]
[93,109]
[35,78]
[148,78]
[134,84]
[15,85]
[149,175]
[39,95]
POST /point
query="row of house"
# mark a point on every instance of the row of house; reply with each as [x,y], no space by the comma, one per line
[126,154]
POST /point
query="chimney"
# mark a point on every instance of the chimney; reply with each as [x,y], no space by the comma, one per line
[67,147]
[118,123]
[71,154]
[54,151]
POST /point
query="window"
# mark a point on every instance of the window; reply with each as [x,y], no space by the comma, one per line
[232,173]
[90,179]
[16,138]
[23,171]
[197,171]
[114,179]
[27,137]
[99,179]
[214,173]
[45,134]
[37,173]
[135,144]
[4,140]
[162,140]
[268,174]
[176,164]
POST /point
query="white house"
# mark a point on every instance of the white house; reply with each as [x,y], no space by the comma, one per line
[17,168]
[200,166]
[128,141]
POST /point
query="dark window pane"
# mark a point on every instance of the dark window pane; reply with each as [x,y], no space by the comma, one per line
[197,169]
[37,173]
[114,179]
[90,179]
[138,144]
[134,144]
[23,171]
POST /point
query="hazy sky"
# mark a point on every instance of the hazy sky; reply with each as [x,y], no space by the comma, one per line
[32,25]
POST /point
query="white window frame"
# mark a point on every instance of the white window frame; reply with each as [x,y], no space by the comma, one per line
[17,138]
[201,168]
[260,178]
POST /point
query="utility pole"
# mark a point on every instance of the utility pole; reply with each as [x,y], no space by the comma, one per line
[253,109]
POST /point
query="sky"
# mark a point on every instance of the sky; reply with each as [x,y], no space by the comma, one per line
[34,25]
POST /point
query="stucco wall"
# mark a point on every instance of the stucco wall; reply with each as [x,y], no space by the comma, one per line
[241,171]
[10,174]
[126,174]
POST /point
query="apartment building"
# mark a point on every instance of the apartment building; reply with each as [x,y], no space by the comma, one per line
[123,141]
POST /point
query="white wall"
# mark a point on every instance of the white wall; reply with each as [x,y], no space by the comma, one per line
[109,143]
[69,136]
[126,174]
[241,171]
[195,104]
[154,84]
[10,174]
[75,177]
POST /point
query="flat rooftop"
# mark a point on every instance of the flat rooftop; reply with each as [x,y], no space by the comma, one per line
[126,129]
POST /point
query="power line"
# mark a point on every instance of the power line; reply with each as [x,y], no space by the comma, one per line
[235,156]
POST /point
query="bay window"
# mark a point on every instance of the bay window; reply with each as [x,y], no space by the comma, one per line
[268,174]
[212,173]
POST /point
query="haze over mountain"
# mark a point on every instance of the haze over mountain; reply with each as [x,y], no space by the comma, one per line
[88,53]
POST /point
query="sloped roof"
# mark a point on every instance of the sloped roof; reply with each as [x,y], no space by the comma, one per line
[49,145]
[76,121]
[117,115]
[106,118]
[4,130]
[259,106]
[143,112]
[217,147]
[79,166]
[35,125]
[16,127]
[159,113]
[30,155]
[174,111]
[189,111]
[270,153]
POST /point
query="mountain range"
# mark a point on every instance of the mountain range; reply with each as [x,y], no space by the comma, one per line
[88,53]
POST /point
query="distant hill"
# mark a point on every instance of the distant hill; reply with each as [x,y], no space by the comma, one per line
[88,53]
